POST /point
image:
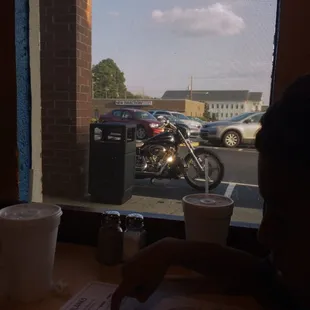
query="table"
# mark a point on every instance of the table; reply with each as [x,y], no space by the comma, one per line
[77,266]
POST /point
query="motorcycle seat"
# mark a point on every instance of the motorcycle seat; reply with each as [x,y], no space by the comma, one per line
[139,143]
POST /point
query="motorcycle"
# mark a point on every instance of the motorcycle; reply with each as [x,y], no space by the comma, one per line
[157,158]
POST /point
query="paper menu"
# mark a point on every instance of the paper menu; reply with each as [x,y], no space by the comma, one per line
[96,296]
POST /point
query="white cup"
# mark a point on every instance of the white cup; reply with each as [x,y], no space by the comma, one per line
[207,217]
[28,234]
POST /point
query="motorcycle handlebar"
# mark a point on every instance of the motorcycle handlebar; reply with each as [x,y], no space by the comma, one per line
[172,126]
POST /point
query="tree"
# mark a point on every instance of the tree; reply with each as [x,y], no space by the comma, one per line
[108,80]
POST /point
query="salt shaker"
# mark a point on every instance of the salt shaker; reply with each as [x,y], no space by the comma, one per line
[134,235]
[110,239]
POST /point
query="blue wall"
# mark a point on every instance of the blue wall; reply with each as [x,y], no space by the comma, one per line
[23,95]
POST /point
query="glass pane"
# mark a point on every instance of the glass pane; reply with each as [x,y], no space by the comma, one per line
[203,59]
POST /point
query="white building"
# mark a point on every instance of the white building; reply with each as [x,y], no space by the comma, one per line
[222,104]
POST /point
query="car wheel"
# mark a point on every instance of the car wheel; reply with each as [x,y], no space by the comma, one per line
[231,139]
[141,133]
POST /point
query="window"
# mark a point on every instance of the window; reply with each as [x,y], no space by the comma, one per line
[144,115]
[222,89]
[256,118]
[162,113]
[127,115]
[180,116]
[241,117]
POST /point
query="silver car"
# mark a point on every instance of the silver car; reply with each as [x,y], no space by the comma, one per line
[241,129]
[194,126]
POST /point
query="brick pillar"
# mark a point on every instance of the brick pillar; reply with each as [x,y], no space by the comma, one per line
[66,95]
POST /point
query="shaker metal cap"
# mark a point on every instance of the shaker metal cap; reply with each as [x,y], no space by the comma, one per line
[110,216]
[135,220]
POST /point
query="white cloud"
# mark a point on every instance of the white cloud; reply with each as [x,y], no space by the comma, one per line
[216,19]
[114,13]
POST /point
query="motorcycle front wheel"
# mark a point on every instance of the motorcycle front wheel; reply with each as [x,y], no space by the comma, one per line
[198,180]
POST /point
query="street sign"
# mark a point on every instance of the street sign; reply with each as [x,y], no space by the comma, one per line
[134,102]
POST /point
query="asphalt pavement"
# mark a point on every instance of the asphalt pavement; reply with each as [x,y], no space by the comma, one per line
[239,183]
[164,196]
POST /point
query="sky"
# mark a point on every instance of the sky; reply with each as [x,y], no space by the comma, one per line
[160,44]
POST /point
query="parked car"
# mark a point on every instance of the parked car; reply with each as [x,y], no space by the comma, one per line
[241,129]
[147,125]
[197,120]
[194,126]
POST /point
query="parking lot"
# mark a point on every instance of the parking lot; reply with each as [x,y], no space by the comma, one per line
[164,196]
[239,183]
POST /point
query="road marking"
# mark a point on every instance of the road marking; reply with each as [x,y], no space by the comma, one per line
[240,184]
[229,190]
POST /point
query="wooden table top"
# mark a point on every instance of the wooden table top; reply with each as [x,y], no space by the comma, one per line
[77,266]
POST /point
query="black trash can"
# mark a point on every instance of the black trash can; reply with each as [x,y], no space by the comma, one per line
[112,158]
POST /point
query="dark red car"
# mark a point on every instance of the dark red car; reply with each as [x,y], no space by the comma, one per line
[147,125]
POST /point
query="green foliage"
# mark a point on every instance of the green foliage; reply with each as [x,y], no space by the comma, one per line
[108,80]
[209,117]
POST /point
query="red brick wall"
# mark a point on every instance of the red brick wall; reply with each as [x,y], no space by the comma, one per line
[66,95]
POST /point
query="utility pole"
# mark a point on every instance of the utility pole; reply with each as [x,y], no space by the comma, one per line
[191,88]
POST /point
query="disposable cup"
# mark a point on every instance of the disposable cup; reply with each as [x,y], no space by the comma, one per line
[207,217]
[28,236]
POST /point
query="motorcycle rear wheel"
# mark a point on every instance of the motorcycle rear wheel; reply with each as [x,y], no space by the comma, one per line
[208,153]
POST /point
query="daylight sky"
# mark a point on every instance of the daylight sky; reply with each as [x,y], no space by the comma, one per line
[159,44]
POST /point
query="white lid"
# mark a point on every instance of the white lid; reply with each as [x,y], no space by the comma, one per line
[211,203]
[29,213]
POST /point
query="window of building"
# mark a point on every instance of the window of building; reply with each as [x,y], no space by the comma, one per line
[241,107]
[148,83]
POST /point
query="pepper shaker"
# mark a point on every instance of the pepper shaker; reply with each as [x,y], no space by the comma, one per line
[134,235]
[110,239]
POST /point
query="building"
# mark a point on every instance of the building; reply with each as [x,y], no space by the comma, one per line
[188,107]
[221,104]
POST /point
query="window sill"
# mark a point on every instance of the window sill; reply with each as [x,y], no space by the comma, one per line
[80,225]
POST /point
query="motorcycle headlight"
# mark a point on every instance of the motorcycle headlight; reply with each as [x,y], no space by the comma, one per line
[153,125]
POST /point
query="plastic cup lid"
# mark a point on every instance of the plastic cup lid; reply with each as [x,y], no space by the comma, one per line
[30,212]
[208,200]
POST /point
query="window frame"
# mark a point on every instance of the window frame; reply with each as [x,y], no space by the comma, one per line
[241,235]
